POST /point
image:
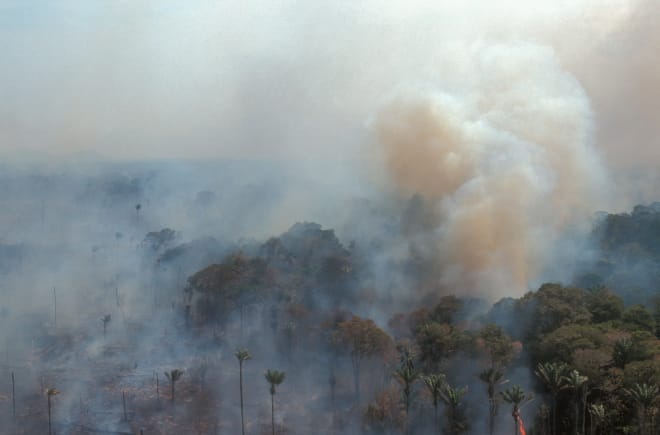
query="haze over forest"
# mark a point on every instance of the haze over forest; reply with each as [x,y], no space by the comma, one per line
[365,196]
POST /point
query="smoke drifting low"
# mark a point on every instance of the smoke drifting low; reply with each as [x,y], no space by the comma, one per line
[502,148]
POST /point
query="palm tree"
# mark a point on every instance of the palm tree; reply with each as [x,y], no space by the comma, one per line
[552,375]
[273,377]
[516,396]
[434,383]
[452,398]
[406,375]
[575,381]
[242,355]
[173,376]
[491,377]
[105,319]
[644,396]
[49,393]
[622,352]
[597,413]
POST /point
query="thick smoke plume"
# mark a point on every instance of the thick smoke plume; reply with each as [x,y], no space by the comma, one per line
[502,149]
[499,137]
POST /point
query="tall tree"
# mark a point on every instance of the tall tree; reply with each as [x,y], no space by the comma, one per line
[434,384]
[575,381]
[273,377]
[242,355]
[173,376]
[105,319]
[406,375]
[452,397]
[363,339]
[644,396]
[516,396]
[497,344]
[552,375]
[50,393]
[230,286]
[491,377]
[597,414]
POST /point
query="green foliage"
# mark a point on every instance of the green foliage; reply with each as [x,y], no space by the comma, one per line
[561,343]
[233,284]
[453,400]
[434,384]
[406,375]
[437,342]
[604,305]
[274,377]
[597,413]
[574,380]
[592,363]
[638,372]
[491,377]
[644,394]
[637,317]
[446,310]
[636,347]
[497,344]
[242,355]
[362,338]
[557,305]
[515,395]
[552,376]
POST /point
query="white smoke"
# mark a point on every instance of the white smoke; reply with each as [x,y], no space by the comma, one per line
[501,142]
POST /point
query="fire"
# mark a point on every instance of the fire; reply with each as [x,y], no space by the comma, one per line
[521,426]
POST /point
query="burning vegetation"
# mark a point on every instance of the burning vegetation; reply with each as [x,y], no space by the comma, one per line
[329,217]
[293,335]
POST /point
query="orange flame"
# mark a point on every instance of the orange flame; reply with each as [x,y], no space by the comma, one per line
[521,426]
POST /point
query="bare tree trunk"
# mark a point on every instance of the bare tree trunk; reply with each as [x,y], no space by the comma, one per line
[272,412]
[50,429]
[55,305]
[577,413]
[13,394]
[241,392]
[491,416]
[584,410]
[554,414]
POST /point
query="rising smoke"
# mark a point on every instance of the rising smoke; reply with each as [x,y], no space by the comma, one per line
[499,115]
[502,147]
[472,140]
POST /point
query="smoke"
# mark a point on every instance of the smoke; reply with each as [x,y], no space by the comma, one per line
[499,115]
[501,145]
[619,70]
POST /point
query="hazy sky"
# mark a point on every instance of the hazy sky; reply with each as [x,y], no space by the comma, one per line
[199,78]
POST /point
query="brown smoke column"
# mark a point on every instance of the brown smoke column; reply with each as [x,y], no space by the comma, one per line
[507,162]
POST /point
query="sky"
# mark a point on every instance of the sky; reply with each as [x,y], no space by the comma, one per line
[290,79]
